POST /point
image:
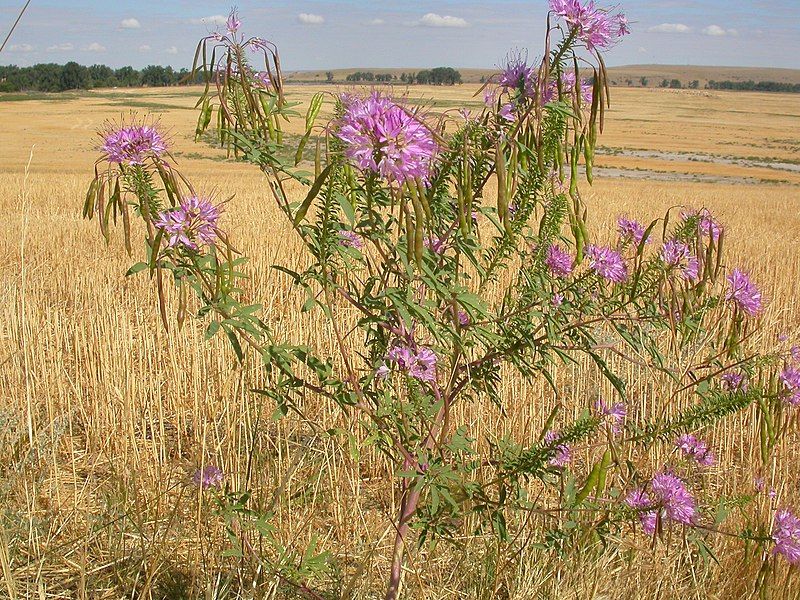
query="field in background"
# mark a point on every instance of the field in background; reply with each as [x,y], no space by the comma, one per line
[655,74]
[104,416]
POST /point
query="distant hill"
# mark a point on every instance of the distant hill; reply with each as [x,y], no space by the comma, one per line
[630,75]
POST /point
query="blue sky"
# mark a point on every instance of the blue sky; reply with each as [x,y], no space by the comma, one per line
[314,34]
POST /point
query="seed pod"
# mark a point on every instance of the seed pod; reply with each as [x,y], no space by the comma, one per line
[588,157]
[422,194]
[462,220]
[605,463]
[317,160]
[410,238]
[502,199]
[419,231]
[513,170]
[591,483]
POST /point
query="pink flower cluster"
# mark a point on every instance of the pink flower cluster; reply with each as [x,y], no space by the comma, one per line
[668,500]
[191,225]
[382,137]
[418,362]
[786,535]
[614,414]
[558,261]
[676,255]
[706,224]
[351,239]
[696,449]
[607,263]
[595,26]
[563,453]
[208,477]
[630,231]
[734,382]
[518,77]
[132,145]
[790,379]
[743,293]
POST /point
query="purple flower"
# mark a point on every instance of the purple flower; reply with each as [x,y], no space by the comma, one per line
[630,230]
[463,318]
[795,352]
[131,145]
[670,500]
[208,477]
[593,25]
[507,112]
[677,502]
[435,244]
[233,23]
[558,261]
[261,79]
[607,263]
[191,225]
[568,83]
[676,254]
[382,372]
[706,224]
[760,486]
[695,449]
[616,414]
[419,364]
[557,300]
[640,500]
[351,239]
[743,293]
[380,136]
[786,535]
[518,77]
[563,453]
[790,378]
[258,43]
[734,382]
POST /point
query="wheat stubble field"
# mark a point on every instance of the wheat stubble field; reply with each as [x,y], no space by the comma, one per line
[104,416]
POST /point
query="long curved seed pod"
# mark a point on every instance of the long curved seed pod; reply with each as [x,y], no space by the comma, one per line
[410,231]
[502,199]
[419,230]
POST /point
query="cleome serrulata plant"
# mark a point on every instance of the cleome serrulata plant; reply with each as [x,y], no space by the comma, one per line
[459,242]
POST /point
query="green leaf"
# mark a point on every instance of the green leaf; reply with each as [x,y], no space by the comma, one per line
[138,267]
[347,208]
[212,329]
[237,348]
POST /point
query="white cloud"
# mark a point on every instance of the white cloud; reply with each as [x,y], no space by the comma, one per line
[716,31]
[130,23]
[61,47]
[95,47]
[20,48]
[434,20]
[670,28]
[310,19]
[377,22]
[212,20]
[172,50]
[144,48]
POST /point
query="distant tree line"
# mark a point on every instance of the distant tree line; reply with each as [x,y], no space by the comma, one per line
[752,86]
[50,77]
[437,76]
[746,86]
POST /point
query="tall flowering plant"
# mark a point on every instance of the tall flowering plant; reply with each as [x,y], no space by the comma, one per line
[461,244]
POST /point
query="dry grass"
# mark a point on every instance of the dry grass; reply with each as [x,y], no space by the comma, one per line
[104,416]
